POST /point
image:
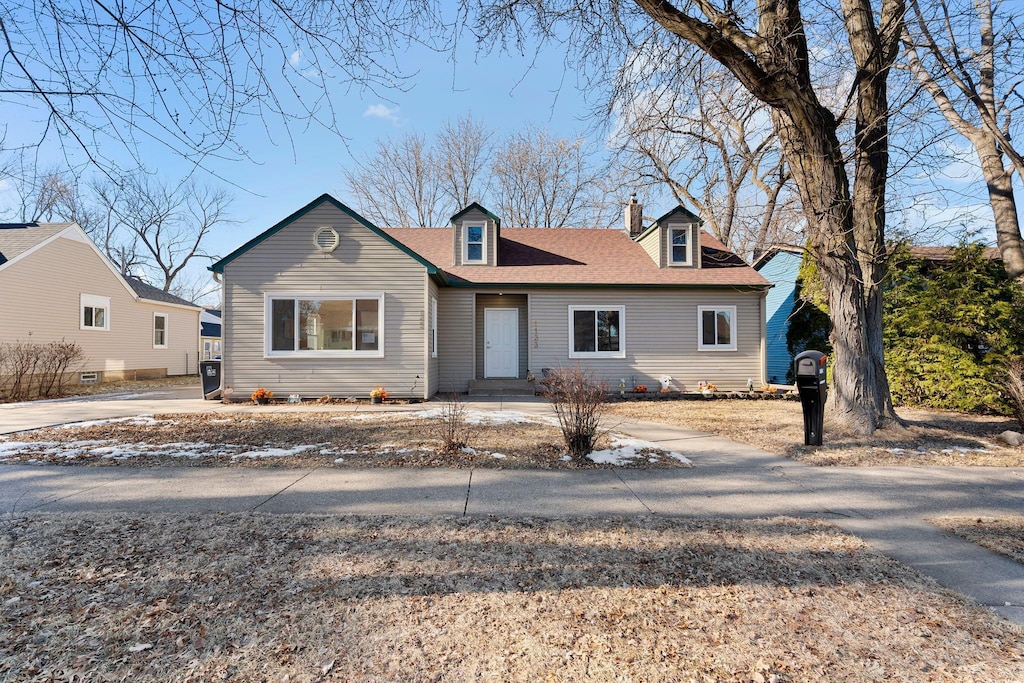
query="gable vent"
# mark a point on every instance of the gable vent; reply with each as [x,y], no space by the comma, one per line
[326,240]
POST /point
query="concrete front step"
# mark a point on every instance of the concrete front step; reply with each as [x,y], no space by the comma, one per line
[501,387]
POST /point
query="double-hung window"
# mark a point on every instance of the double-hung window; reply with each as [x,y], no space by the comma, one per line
[716,328]
[596,332]
[324,325]
[159,331]
[95,312]
[473,244]
[679,245]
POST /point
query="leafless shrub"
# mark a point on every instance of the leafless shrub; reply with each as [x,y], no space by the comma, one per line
[57,358]
[452,429]
[579,402]
[1015,388]
[32,370]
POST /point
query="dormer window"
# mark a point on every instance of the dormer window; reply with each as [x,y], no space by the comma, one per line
[473,250]
[679,245]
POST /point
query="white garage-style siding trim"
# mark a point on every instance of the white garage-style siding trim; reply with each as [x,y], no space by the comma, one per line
[659,335]
[287,261]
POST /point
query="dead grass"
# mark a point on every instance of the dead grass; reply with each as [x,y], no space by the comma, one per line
[132,386]
[249,440]
[271,598]
[931,437]
[1004,535]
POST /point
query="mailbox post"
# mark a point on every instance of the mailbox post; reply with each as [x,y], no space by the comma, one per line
[810,370]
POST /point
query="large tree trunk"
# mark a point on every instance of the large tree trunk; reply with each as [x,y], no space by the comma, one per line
[1004,207]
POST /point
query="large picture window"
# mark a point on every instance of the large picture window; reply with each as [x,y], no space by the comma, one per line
[596,332]
[95,312]
[474,244]
[324,325]
[716,328]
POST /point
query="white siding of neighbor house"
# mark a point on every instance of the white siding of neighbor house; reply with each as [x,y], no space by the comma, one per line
[660,334]
[40,301]
[455,335]
[288,262]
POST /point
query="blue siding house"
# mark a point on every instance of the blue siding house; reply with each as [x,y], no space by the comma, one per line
[780,266]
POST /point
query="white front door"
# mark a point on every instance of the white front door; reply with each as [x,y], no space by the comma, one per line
[501,342]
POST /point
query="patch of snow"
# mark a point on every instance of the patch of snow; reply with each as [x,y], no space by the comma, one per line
[272,452]
[499,456]
[624,449]
[471,451]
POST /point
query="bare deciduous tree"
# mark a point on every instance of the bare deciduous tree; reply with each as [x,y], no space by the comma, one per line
[544,181]
[967,54]
[465,150]
[767,46]
[689,127]
[109,75]
[159,226]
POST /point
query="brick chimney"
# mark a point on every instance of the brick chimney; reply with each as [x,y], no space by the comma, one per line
[634,216]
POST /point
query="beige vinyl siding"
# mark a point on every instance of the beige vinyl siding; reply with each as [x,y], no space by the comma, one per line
[287,261]
[433,364]
[652,244]
[40,301]
[517,301]
[660,336]
[455,339]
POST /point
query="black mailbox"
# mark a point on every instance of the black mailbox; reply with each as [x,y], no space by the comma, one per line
[210,370]
[810,369]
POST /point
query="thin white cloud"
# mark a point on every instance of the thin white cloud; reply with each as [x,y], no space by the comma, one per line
[383,111]
[295,58]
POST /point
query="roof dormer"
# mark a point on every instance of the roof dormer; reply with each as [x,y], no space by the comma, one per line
[476,234]
[673,241]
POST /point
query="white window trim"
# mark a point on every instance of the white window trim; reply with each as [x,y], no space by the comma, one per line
[433,327]
[701,346]
[621,353]
[483,243]
[688,228]
[92,301]
[268,332]
[167,321]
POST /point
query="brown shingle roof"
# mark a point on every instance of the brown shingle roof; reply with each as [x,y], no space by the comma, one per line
[946,253]
[577,256]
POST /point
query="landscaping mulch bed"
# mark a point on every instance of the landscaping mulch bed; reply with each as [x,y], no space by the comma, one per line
[315,439]
[930,438]
[1003,535]
[254,597]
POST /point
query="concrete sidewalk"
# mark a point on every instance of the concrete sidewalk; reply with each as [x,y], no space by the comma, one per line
[886,507]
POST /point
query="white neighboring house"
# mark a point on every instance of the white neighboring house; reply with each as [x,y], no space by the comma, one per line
[55,284]
[209,334]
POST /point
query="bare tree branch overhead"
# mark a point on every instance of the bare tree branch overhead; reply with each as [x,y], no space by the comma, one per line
[100,78]
[969,57]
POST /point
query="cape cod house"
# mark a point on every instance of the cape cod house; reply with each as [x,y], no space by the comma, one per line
[325,303]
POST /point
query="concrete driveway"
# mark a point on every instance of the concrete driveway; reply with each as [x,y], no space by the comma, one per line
[886,507]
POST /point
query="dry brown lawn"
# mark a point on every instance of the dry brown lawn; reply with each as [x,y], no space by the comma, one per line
[1004,535]
[296,598]
[312,439]
[931,437]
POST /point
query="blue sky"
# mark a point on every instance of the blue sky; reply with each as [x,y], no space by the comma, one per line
[504,92]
